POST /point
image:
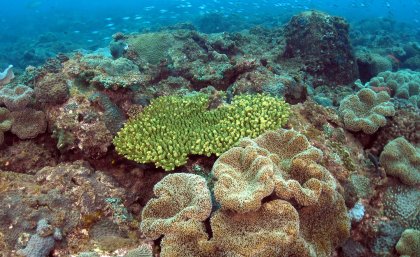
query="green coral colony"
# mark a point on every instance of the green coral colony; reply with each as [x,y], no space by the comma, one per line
[173,127]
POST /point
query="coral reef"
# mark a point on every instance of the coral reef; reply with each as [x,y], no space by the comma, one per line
[339,181]
[366,111]
[314,228]
[102,71]
[193,129]
[70,196]
[322,44]
[78,126]
[26,157]
[41,243]
[402,160]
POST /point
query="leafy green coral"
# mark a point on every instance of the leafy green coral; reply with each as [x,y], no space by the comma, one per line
[172,127]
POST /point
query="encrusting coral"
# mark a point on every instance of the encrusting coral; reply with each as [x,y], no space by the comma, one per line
[409,243]
[28,123]
[366,111]
[402,160]
[309,219]
[172,127]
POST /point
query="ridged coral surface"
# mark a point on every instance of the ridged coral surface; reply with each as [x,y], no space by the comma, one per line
[402,160]
[165,214]
[366,111]
[309,219]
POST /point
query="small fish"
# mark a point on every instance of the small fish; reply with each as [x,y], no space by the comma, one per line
[95,32]
[110,25]
[108,19]
[126,18]
[148,8]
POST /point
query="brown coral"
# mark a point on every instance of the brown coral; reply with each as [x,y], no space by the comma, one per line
[183,201]
[28,123]
[402,160]
[366,111]
[270,231]
[77,125]
[245,177]
[310,218]
[52,88]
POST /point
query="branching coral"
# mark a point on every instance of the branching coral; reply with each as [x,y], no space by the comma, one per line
[172,127]
[309,219]
[402,160]
[366,111]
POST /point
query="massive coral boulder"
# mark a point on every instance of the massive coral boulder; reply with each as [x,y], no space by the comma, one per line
[52,88]
[322,43]
[402,160]
[366,111]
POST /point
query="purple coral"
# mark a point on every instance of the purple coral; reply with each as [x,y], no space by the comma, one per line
[16,97]
[41,243]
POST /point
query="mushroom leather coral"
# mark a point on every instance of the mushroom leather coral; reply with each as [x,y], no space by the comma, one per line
[402,160]
[303,215]
[366,111]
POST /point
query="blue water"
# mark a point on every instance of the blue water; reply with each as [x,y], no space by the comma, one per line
[53,26]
